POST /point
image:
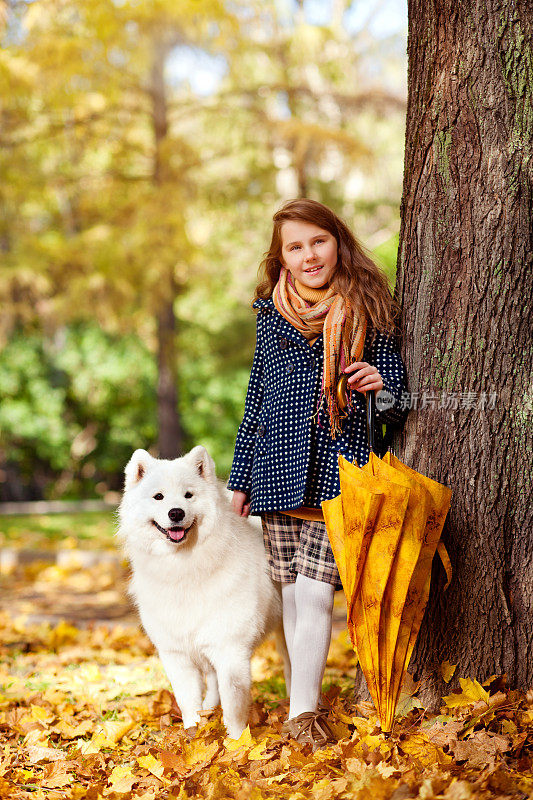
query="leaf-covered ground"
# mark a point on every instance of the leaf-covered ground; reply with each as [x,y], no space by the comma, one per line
[86,712]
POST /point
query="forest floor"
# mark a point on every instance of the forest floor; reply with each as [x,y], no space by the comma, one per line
[86,711]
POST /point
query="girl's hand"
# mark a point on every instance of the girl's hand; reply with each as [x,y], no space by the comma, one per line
[240,504]
[365,378]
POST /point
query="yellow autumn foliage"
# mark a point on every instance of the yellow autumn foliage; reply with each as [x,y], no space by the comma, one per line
[472,692]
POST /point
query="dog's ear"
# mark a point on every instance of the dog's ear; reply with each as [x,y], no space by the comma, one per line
[136,467]
[203,462]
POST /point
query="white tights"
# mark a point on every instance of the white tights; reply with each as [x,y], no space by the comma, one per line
[307,609]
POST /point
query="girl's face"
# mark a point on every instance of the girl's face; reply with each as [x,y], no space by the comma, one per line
[308,252]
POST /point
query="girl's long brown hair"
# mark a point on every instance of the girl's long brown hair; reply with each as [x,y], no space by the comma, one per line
[356,277]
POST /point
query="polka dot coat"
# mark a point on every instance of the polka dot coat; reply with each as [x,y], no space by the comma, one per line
[283,459]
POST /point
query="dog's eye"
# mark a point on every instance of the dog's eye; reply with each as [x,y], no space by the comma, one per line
[158,496]
[188,494]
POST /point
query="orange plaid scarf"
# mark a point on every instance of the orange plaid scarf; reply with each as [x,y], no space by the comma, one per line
[344,335]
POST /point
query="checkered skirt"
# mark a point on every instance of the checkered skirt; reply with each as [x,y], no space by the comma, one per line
[298,545]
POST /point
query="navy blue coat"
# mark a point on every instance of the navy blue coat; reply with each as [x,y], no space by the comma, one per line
[282,459]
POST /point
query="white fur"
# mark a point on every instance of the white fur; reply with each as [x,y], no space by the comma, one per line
[208,601]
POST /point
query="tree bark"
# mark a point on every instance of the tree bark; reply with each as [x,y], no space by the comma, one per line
[465,285]
[170,439]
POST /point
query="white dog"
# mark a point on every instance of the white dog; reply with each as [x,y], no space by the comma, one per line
[200,582]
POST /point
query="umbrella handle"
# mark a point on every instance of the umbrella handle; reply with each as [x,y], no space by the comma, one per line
[371,419]
[371,425]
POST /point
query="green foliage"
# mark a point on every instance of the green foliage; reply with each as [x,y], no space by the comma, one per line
[33,402]
[214,369]
[75,407]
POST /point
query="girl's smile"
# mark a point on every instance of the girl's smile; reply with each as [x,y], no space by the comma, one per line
[308,252]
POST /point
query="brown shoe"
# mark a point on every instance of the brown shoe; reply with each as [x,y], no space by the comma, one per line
[311,727]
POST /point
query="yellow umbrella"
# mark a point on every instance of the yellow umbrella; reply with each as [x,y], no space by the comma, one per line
[384,529]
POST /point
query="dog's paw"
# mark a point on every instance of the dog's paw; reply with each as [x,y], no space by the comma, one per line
[234,731]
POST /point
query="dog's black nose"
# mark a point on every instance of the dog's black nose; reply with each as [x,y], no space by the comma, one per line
[176,514]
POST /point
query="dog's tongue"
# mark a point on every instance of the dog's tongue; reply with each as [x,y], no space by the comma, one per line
[176,533]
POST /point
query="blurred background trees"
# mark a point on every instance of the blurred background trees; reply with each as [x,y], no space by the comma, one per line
[145,146]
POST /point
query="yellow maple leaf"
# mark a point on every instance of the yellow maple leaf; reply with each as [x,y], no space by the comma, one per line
[508,726]
[369,742]
[258,752]
[362,725]
[526,718]
[152,765]
[121,780]
[385,769]
[424,751]
[94,745]
[472,691]
[114,730]
[108,734]
[356,765]
[38,753]
[73,731]
[36,737]
[199,752]
[55,775]
[345,718]
[447,670]
[26,774]
[322,789]
[42,714]
[245,738]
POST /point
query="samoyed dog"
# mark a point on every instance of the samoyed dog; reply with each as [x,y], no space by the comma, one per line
[200,582]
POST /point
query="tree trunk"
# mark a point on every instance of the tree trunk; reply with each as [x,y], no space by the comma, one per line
[170,438]
[464,281]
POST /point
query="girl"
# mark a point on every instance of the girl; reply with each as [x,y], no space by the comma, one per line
[324,310]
